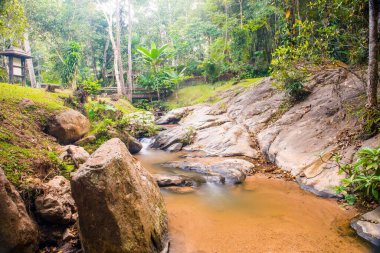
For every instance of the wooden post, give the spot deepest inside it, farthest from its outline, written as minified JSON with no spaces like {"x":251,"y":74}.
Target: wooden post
{"x":23,"y":72}
{"x":10,"y":66}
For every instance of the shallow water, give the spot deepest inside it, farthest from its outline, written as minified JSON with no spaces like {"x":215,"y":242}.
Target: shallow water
{"x":261,"y":215}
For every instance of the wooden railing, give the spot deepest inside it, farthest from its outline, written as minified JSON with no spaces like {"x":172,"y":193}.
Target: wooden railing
{"x":137,"y":93}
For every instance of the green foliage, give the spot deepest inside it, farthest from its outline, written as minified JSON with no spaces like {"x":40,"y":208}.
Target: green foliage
{"x":138,"y":124}
{"x":72,"y":56}
{"x":100,"y":110}
{"x":91,"y":86}
{"x":189,"y":136}
{"x":370,"y":119}
{"x":211,"y":70}
{"x":13,"y":22}
{"x":363,"y":176}
{"x":153,"y":56}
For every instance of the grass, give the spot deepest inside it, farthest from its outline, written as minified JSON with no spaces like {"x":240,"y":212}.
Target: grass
{"x":205,"y":93}
{"x":24,"y":149}
{"x":14,"y":93}
{"x":122,"y":105}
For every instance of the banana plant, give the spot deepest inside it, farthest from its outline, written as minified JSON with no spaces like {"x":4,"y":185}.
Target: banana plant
{"x":176,"y":77}
{"x":153,"y":56}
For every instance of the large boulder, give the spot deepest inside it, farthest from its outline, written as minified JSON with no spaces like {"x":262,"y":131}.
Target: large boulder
{"x":56,"y":205}
{"x":133,"y":145}
{"x":368,"y":226}
{"x":68,"y":126}
{"x":119,"y":204}
{"x":76,"y":154}
{"x":18,"y":232}
{"x":230,"y":171}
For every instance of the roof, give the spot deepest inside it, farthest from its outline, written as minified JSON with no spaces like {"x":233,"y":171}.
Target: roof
{"x":16,"y":52}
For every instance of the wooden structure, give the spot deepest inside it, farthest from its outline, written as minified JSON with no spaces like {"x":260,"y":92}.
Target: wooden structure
{"x":137,"y":93}
{"x":16,"y":63}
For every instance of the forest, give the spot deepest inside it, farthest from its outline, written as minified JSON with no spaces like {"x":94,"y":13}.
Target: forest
{"x":189,"y":126}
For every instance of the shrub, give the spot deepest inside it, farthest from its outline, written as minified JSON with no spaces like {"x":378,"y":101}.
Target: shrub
{"x":363,"y":176}
{"x":101,"y":110}
{"x":91,"y":86}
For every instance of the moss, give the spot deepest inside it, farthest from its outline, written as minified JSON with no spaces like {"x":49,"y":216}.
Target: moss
{"x":205,"y":93}
{"x":49,"y":101}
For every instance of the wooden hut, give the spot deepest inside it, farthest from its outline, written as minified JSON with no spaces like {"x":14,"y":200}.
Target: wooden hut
{"x":16,"y":63}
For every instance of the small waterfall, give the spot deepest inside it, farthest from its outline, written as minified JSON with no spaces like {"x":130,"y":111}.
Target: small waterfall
{"x":146,"y":142}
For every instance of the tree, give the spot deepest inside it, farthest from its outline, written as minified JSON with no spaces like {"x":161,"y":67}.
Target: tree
{"x":72,"y":58}
{"x":373,"y":57}
{"x":115,"y":46}
{"x":153,"y":56}
{"x":130,"y":77}
{"x":176,"y":77}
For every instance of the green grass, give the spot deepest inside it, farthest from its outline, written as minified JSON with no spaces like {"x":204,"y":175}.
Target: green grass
{"x":122,"y":105}
{"x":205,"y":93}
{"x":14,"y":93}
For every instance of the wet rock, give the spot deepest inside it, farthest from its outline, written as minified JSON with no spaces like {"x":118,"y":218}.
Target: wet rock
{"x":85,"y":140}
{"x":180,"y":190}
{"x":368,"y":226}
{"x":304,"y":138}
{"x":77,"y":154}
{"x":175,"y":147}
{"x":166,"y":180}
{"x":231,"y":171}
{"x":68,"y":126}
{"x":174,"y":116}
{"x":134,"y":146}
{"x":169,"y":137}
{"x":119,"y":203}
{"x":18,"y":232}
{"x":56,"y":205}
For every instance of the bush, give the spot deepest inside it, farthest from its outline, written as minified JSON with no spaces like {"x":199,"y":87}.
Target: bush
{"x":101,"y":110}
{"x":91,"y":86}
{"x":363,"y":176}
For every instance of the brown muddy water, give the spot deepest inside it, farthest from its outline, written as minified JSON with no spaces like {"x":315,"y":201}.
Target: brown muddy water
{"x":260,"y":215}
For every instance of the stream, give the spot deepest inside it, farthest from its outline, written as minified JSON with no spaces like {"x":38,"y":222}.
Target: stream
{"x":260,"y":215}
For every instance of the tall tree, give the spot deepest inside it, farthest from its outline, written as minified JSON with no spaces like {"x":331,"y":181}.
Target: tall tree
{"x":130,"y":27}
{"x":29,"y":63}
{"x":373,"y":57}
{"x":118,"y":46}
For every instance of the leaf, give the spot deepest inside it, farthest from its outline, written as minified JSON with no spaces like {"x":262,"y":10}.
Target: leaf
{"x":287,"y":14}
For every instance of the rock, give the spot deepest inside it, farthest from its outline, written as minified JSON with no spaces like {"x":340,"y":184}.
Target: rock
{"x":77,"y":154}
{"x":216,"y":135}
{"x":175,"y":147}
{"x":368,"y":226}
{"x":26,"y":103}
{"x":225,"y":140}
{"x":306,"y":136}
{"x":166,"y":180}
{"x":134,"y":146}
{"x":180,"y":190}
{"x":174,"y":116}
{"x":231,"y":171}
{"x":56,"y":205}
{"x":68,"y":126}
{"x":171,"y":136}
{"x":85,"y":140}
{"x":119,"y":204}
{"x":18,"y":232}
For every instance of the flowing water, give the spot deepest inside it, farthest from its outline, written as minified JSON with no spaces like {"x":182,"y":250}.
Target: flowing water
{"x":260,"y":215}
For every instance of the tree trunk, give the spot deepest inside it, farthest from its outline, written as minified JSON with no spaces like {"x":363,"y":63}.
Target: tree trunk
{"x":118,"y":45}
{"x":130,"y":77}
{"x":241,"y":13}
{"x":115,"y":55}
{"x":29,"y":64}
{"x":105,"y":60}
{"x":373,"y":75}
